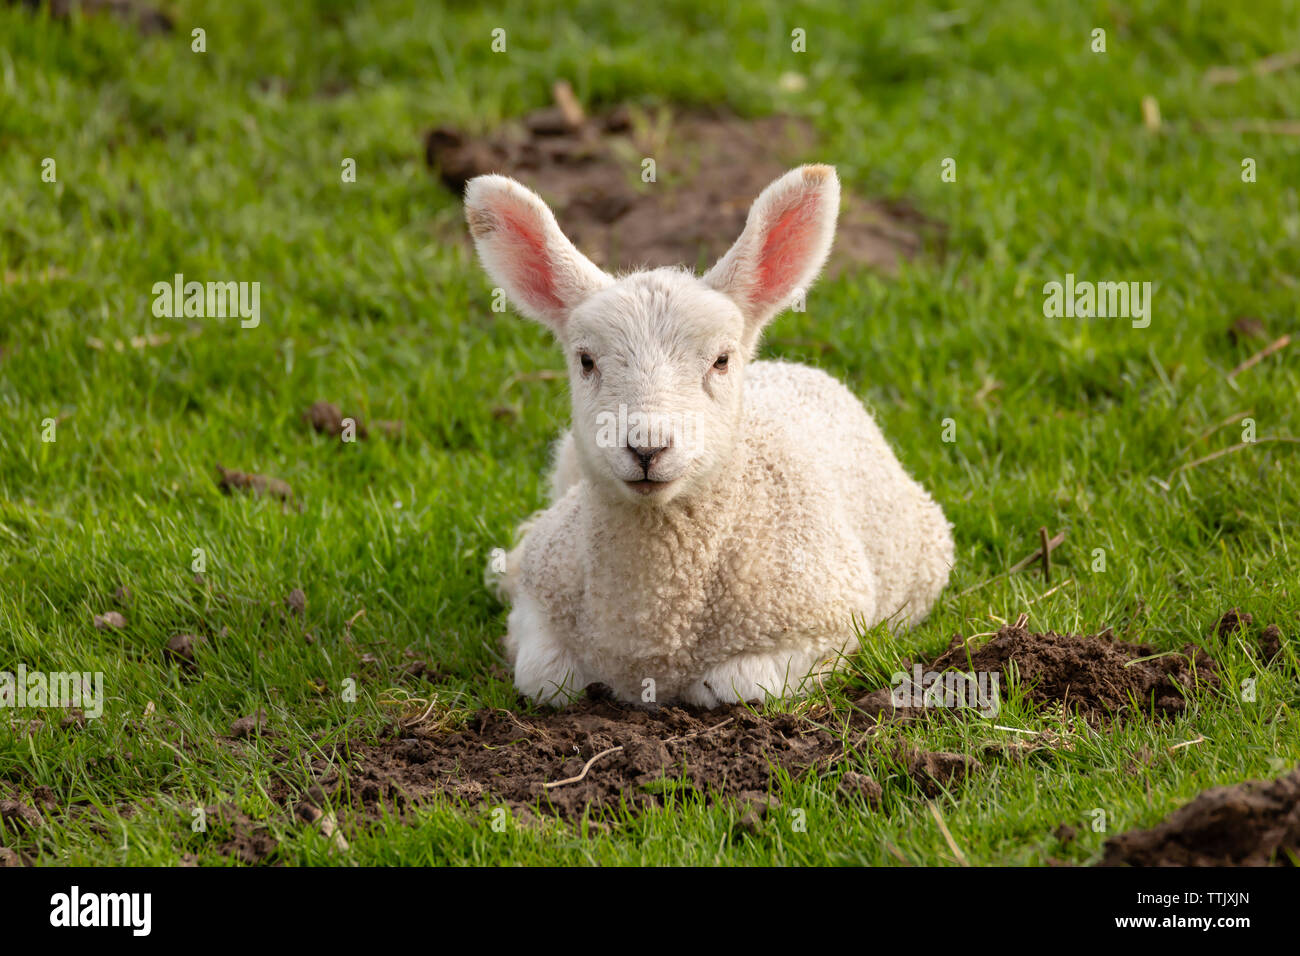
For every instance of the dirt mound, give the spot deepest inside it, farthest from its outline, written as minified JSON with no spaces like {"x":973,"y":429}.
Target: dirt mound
{"x":328,"y":419}
{"x":602,"y":755}
{"x":1270,"y":643}
{"x":1256,"y":823}
{"x":709,"y":166}
{"x":246,"y":839}
{"x":229,"y":480}
{"x":1093,"y":675}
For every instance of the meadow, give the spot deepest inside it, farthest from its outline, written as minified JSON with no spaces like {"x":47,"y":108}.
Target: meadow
{"x":1173,"y":470}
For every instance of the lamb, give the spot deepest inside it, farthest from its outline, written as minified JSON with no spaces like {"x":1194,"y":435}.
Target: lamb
{"x":717,"y":524}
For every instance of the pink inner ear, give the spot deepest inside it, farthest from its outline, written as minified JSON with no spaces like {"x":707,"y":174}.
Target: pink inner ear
{"x":785,"y":250}
{"x":529,"y":262}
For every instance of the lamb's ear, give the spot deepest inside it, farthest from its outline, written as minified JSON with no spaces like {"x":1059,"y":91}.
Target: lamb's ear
{"x":524,"y":252}
{"x":785,"y":243}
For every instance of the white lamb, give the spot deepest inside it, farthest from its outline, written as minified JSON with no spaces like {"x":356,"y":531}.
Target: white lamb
{"x":717,"y":524}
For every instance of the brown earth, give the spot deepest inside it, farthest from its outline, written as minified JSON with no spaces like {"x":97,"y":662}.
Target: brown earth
{"x":1095,"y":675}
{"x":1270,"y":643}
{"x":327,"y":418}
{"x":242,"y":837}
{"x":600,"y":756}
{"x":229,"y":480}
{"x":180,"y":650}
{"x":508,"y":758}
{"x":732,"y":752}
{"x":709,"y":167}
{"x":109,"y":621}
{"x":1256,"y":823}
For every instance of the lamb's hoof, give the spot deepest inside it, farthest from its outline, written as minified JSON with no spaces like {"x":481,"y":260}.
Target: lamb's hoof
{"x":597,"y":691}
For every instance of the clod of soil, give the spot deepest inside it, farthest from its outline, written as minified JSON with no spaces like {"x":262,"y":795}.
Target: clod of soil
{"x":709,"y":168}
{"x":17,"y":815}
{"x":1256,"y":823}
{"x":1245,"y":328}
{"x":180,"y":649}
{"x":935,"y":771}
{"x":1233,"y":620}
{"x":230,"y":481}
{"x":248,"y":840}
{"x":724,"y":754}
{"x":1093,"y":675}
{"x":879,"y":704}
{"x":109,"y":621}
{"x":860,"y":785}
{"x":248,"y":726}
{"x":425,"y":669}
{"x":327,"y":418}
{"x":1270,"y":643}
{"x":249,"y":845}
{"x":755,"y":808}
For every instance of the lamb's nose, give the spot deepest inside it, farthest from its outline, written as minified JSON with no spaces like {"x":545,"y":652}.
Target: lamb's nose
{"x":646,"y":456}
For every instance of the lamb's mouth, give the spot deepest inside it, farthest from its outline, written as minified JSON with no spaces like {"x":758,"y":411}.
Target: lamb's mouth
{"x":648,"y":486}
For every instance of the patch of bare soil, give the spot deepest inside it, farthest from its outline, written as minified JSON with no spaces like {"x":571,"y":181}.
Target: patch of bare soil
{"x":328,"y":419}
{"x":242,"y":837}
{"x":180,"y":650}
{"x":21,"y":815}
{"x":1092,"y":675}
{"x":109,"y":621}
{"x":1270,"y":643}
{"x":600,"y":755}
{"x":709,"y":166}
{"x":229,"y":480}
{"x":1256,"y":823}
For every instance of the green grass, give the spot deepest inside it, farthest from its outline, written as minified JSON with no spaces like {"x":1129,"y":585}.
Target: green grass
{"x":225,"y":165}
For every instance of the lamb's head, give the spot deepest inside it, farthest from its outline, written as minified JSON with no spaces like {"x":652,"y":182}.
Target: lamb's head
{"x":656,"y":358}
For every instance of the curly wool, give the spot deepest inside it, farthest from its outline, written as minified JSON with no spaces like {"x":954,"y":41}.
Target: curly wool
{"x":745,"y":589}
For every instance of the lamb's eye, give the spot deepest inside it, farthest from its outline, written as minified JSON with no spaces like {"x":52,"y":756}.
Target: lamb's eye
{"x":721,"y":363}
{"x":588,"y":366}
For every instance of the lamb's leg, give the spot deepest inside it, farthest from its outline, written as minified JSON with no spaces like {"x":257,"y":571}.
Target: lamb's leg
{"x":545,"y":669}
{"x":754,"y":676}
